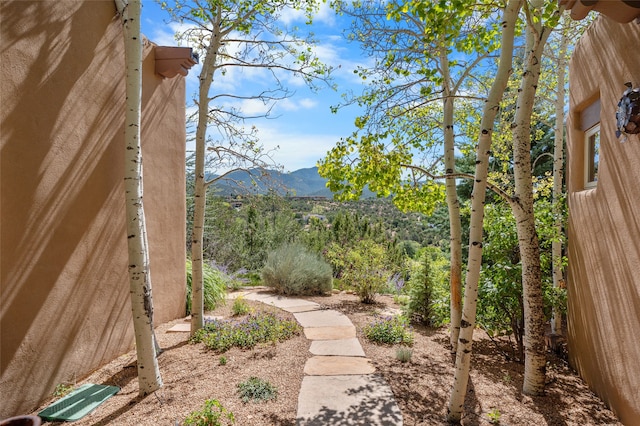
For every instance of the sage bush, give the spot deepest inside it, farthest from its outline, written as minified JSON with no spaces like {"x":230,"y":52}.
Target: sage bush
{"x":294,"y":270}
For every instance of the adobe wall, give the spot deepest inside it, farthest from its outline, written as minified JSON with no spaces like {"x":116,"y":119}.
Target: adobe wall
{"x":64,"y":307}
{"x":604,"y":223}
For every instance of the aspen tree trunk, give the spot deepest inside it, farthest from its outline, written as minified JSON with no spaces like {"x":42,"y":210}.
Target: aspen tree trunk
{"x":149,"y":378}
{"x":534,"y":321}
{"x":558,"y":154}
{"x":453,"y":204}
{"x":200,"y":184}
{"x":491,"y":108}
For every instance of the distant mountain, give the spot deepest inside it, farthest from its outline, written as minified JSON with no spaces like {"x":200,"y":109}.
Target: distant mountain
{"x":301,"y":183}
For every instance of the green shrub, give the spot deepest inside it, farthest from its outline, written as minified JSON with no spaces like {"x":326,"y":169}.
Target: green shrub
{"x":421,"y":293}
{"x":293,"y":270}
{"x":255,"y":389}
{"x":214,"y":287}
{"x":221,"y":335}
{"x":403,"y":354}
{"x":390,"y":330}
{"x":222,"y":360}
{"x":428,"y":288}
{"x":213,"y":414}
{"x":240,"y":306}
{"x":364,"y":268}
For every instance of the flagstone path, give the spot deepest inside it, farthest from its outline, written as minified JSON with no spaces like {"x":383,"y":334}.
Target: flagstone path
{"x":340,"y":386}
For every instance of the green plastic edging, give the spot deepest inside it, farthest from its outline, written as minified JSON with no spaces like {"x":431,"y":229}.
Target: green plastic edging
{"x":78,"y":403}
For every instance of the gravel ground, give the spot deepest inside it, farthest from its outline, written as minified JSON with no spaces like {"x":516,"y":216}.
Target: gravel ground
{"x":192,"y":374}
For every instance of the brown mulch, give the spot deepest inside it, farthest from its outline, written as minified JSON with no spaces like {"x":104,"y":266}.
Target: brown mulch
{"x":192,"y":374}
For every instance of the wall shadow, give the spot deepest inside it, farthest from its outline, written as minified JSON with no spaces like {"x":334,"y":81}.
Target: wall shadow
{"x":65,"y":306}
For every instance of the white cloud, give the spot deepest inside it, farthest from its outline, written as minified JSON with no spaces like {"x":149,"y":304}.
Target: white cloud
{"x":296,"y":150}
{"x":258,"y":108}
{"x":293,"y":104}
{"x":308,"y":103}
{"x":324,"y":15}
{"x":254,"y":107}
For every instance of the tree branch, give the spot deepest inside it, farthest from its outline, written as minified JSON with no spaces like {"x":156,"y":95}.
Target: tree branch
{"x":432,"y":176}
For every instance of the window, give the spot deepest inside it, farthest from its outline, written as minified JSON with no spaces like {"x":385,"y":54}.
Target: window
{"x":590,"y":126}
{"x":592,"y":156}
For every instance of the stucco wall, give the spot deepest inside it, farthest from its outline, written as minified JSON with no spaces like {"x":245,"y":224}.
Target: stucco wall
{"x":604,"y":223}
{"x":64,"y":303}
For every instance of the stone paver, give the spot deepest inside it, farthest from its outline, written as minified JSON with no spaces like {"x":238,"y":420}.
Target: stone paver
{"x":342,"y":347}
{"x":338,"y":365}
{"x":183,"y":327}
{"x":257,"y":296}
{"x":330,"y":333}
{"x":323,"y":318}
{"x":286,"y":302}
{"x":304,"y":308}
{"x":339,"y":387}
{"x":347,"y":400}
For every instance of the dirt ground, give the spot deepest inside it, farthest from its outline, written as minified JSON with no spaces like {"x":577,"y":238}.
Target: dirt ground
{"x":193,"y":374}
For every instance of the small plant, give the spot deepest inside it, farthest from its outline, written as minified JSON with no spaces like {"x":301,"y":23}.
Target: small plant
{"x":240,"y":306}
{"x":213,"y":414}
{"x":233,"y":280}
{"x":214,"y":287}
{"x":401,"y":299}
{"x":256,"y":389}
{"x":62,"y":389}
{"x":390,"y":330}
{"x":222,"y":360}
{"x":494,"y":416}
{"x":507,"y":379}
{"x":396,"y":284}
{"x":403,"y":354}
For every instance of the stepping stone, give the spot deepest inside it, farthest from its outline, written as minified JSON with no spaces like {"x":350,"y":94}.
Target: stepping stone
{"x":323,"y":318}
{"x":338,"y":365}
{"x":330,"y":333}
{"x":347,"y":400}
{"x":257,"y":296}
{"x":303,"y":308}
{"x":183,"y":327}
{"x":285,"y":302}
{"x":342,"y":347}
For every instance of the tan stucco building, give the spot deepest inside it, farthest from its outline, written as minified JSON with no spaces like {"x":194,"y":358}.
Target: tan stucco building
{"x":64,"y":307}
{"x":603,"y":180}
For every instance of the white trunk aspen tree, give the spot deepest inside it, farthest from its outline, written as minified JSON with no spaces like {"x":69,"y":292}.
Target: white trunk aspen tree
{"x":453,"y":204}
{"x":558,"y":160}
{"x":200,"y":186}
{"x":149,"y":378}
{"x":490,"y":110}
{"x":534,"y":322}
{"x":411,"y":74}
{"x":239,"y":33}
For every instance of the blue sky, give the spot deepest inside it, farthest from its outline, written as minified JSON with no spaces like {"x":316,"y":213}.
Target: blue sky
{"x":303,"y":126}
